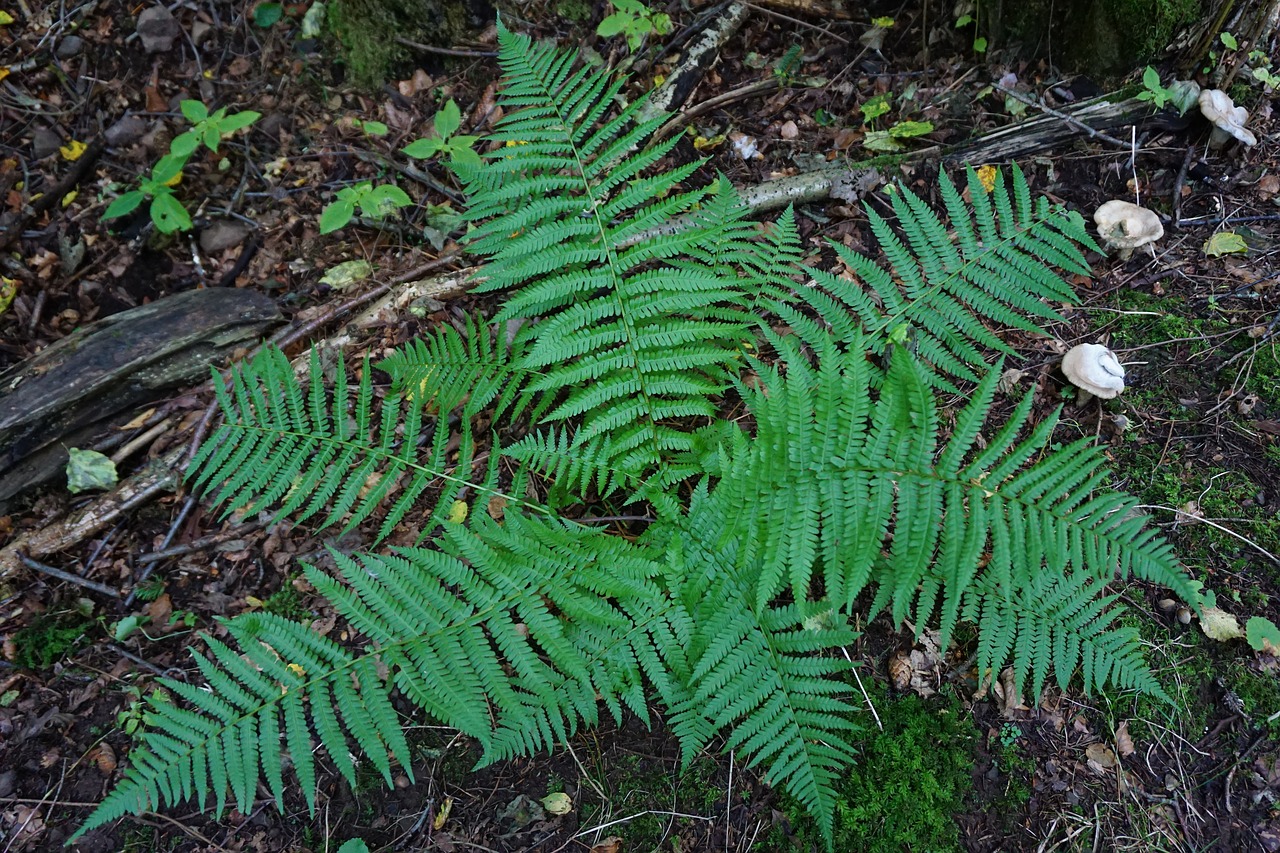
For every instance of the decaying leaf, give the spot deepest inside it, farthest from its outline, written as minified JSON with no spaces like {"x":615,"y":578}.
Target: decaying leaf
{"x":89,"y":469}
{"x":558,"y":803}
{"x":1124,"y":741}
{"x":1220,"y":625}
{"x":1099,"y":757}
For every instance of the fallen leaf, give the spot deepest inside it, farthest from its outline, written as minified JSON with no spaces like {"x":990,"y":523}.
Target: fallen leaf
{"x":347,"y":273}
{"x":1100,"y":757}
{"x":558,"y":803}
{"x":1224,"y":243}
{"x":1220,"y":625}
{"x":612,"y":844}
{"x":89,"y":469}
{"x":5,"y":19}
{"x":72,"y":150}
{"x":103,"y":756}
{"x":1124,"y":741}
{"x":457,"y":513}
{"x":443,"y":815}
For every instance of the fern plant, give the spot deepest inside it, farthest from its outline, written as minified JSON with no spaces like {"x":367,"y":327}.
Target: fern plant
{"x":649,"y":313}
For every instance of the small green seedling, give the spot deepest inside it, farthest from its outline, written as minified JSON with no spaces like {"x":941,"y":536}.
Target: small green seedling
{"x":462,"y":157}
{"x":374,"y":202}
{"x":167,"y":212}
{"x":634,"y":20}
{"x":209,"y":128}
{"x":1152,"y":90}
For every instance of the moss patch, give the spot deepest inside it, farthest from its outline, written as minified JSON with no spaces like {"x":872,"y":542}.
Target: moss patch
{"x":45,"y":641}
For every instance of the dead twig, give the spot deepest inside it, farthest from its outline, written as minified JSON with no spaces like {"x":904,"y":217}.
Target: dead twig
{"x":67,"y":576}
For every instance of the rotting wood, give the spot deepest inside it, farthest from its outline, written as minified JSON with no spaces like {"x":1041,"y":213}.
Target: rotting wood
{"x":69,"y":393}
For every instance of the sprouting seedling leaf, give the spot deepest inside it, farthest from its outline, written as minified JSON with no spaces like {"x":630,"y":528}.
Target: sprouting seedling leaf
{"x":89,"y":469}
{"x":448,"y":119}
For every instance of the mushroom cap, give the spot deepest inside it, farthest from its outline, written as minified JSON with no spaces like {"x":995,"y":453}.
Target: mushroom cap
{"x":1094,"y":368}
{"x":1124,"y":225}
{"x":1217,"y":106}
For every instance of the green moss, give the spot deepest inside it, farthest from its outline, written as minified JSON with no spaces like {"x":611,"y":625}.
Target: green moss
{"x":47,"y":639}
{"x":908,"y":784}
{"x":636,"y":785}
{"x":368,"y":29}
{"x":286,"y":602}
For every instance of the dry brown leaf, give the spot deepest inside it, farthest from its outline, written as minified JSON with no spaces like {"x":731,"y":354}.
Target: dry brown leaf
{"x":612,"y":844}
{"x":1124,"y":741}
{"x":1100,"y":757}
{"x":1010,"y":697}
{"x":160,"y":610}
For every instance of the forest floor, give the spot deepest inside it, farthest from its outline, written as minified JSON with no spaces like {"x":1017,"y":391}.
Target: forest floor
{"x":1196,"y":437}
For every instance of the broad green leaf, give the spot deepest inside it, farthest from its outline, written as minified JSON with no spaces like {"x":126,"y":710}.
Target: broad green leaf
{"x":167,"y":168}
{"x":1263,"y":635}
{"x":908,"y":129}
{"x":880,"y":140}
{"x":875,"y":107}
{"x":336,"y":215}
{"x":448,"y":119}
{"x":168,"y":214}
{"x":1228,"y":41}
{"x":613,"y":24}
{"x":424,"y":149}
{"x":1151,"y":79}
{"x":194,"y":110}
{"x":374,"y":128}
{"x":347,"y":273}
{"x":238,"y":121}
{"x":184,"y":144}
{"x":125,"y":204}
{"x":384,"y":201}
{"x":266,"y":15}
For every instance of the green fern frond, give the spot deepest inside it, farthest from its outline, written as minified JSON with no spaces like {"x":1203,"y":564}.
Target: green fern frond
{"x":765,"y":675}
{"x":628,"y":340}
{"x":289,"y":442}
{"x":949,"y":281}
{"x":286,"y":681}
{"x":853,"y":488}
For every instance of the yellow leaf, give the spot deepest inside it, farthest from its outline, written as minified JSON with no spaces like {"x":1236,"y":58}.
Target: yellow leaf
{"x":702,"y":143}
{"x":5,"y":19}
{"x":174,"y":181}
{"x":457,"y":512}
{"x":253,"y":602}
{"x":658,"y":80}
{"x":296,"y":669}
{"x":69,"y":197}
{"x":4,"y":72}
{"x":8,"y":290}
{"x":443,"y":814}
{"x":72,"y":150}
{"x":987,"y":174}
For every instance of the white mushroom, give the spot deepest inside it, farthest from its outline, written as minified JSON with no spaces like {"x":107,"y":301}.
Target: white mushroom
{"x":1126,"y":226}
{"x":1228,"y":119}
{"x":1095,"y":370}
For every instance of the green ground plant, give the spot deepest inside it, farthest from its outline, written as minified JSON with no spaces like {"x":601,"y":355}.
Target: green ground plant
{"x":642,"y":311}
{"x":208,"y":129}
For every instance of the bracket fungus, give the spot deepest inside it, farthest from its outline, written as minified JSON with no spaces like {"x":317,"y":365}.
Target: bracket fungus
{"x":1126,"y":226}
{"x":1095,"y":370}
{"x":1228,"y":120}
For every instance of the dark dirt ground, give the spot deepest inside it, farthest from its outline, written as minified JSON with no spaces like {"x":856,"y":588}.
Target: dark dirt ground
{"x":1195,"y":436}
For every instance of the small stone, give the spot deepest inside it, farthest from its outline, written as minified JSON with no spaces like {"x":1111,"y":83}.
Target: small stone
{"x":44,"y":142}
{"x":126,"y":131}
{"x":788,"y":130}
{"x":8,"y":781}
{"x":200,"y":31}
{"x":223,"y":234}
{"x":69,"y":47}
{"x":158,"y":29}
